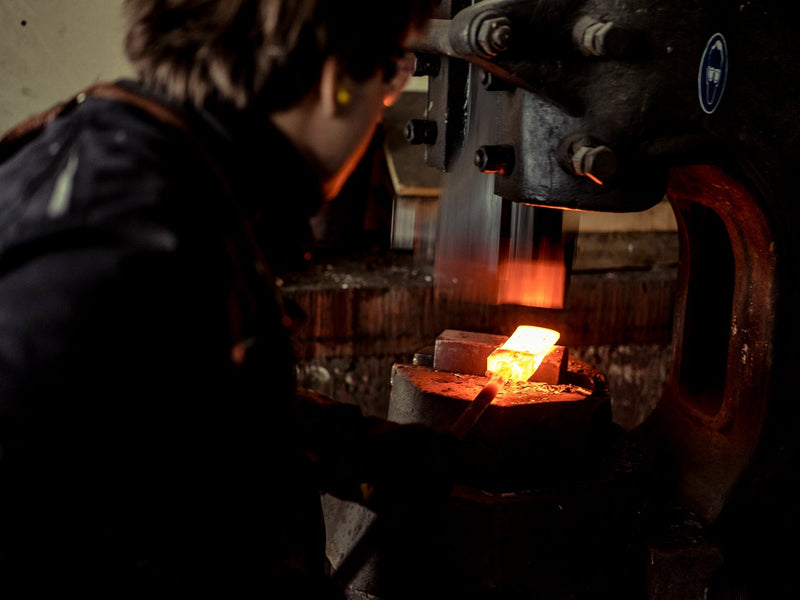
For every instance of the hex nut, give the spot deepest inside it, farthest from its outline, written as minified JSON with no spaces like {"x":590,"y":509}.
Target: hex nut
{"x":599,"y":38}
{"x":494,"y":35}
{"x":596,"y":162}
{"x":421,"y":131}
{"x":495,"y":159}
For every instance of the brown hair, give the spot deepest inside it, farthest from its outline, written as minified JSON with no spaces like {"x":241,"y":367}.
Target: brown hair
{"x":265,"y":53}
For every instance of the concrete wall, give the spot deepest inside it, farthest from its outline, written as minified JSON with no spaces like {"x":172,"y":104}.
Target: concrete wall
{"x":49,"y":49}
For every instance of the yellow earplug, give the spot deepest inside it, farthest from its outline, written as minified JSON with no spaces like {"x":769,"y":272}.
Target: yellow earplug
{"x":343,"y":96}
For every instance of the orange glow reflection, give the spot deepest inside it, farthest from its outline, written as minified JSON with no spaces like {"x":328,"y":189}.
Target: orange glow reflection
{"x":519,"y":357}
{"x":532,"y":283}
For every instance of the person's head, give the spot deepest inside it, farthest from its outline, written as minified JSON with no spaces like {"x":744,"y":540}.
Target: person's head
{"x":289,"y":59}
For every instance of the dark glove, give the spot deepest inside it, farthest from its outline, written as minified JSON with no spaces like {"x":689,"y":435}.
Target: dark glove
{"x":373,"y":461}
{"x":408,"y":466}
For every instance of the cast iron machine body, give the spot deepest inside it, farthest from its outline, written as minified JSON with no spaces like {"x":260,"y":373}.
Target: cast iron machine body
{"x":608,"y":105}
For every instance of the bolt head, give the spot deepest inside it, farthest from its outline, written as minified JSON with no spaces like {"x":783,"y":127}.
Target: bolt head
{"x":599,"y":38}
{"x":420,"y":131}
{"x":481,"y":158}
{"x":427,"y":65}
{"x":494,"y":159}
{"x":599,"y":163}
{"x":494,"y":35}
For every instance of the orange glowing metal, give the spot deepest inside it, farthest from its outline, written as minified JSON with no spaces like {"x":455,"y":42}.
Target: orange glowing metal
{"x":516,"y":360}
{"x":519,"y":357}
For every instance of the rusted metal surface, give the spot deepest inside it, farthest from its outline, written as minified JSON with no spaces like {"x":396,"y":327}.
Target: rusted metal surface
{"x":711,"y":417}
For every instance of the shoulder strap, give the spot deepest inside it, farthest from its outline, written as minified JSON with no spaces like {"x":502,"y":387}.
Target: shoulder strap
{"x":22,"y":133}
{"x":156,"y":109}
{"x":19,"y":135}
{"x":16,"y":137}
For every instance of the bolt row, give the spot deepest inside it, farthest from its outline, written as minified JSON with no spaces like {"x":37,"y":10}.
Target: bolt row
{"x":586,"y":158}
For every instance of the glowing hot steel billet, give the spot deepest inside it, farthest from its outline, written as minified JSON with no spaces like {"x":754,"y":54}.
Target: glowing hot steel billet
{"x":517,"y":359}
{"x":522,"y":353}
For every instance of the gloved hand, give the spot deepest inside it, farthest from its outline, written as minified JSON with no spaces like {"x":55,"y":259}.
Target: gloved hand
{"x":406,"y":466}
{"x":373,"y":461}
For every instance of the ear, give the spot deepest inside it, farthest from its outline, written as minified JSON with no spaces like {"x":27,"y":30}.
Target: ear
{"x":335,"y":92}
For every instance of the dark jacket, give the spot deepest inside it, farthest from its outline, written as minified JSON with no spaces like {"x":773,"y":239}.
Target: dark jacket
{"x":148,"y":434}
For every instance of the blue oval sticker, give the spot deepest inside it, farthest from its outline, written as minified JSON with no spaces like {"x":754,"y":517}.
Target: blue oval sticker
{"x":713,"y":73}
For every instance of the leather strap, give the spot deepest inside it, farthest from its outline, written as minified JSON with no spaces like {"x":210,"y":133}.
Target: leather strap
{"x":157,"y":110}
{"x":19,"y":135}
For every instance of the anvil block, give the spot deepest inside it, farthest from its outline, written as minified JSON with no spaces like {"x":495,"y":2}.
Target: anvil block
{"x":531,"y":427}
